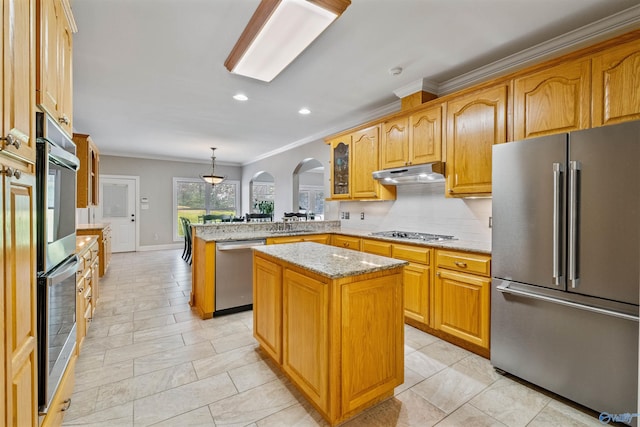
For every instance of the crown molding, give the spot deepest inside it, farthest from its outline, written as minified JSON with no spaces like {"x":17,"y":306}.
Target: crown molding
{"x":417,"y":86}
{"x":611,"y":26}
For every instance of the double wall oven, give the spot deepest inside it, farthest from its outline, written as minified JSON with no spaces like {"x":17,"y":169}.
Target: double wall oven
{"x":56,"y":166}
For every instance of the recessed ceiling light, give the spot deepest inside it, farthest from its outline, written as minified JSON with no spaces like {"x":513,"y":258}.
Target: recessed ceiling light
{"x":304,"y":111}
{"x":240,"y":97}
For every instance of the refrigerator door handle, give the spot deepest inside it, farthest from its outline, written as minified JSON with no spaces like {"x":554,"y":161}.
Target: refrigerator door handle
{"x":507,"y":290}
{"x":557,"y":193}
{"x":574,"y":167}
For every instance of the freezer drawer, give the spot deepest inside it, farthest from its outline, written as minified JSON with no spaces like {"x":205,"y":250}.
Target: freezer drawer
{"x":585,"y":356}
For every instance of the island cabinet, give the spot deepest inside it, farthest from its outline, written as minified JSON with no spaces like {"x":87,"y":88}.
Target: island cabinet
{"x":475,"y":123}
{"x":462,"y":294}
{"x":616,"y":84}
{"x":332,"y":320}
{"x":413,"y":139}
{"x":555,"y":99}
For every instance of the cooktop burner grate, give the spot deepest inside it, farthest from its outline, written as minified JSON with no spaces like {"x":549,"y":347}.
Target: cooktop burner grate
{"x":410,"y":235}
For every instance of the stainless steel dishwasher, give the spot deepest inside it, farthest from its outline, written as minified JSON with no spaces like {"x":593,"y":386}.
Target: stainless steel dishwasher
{"x":234,"y":276}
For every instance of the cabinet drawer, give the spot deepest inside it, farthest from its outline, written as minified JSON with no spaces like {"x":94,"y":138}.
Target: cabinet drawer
{"x":376,"y":247}
{"x":346,"y":242}
{"x":62,"y":398}
{"x":412,"y":253}
{"x":462,"y":261}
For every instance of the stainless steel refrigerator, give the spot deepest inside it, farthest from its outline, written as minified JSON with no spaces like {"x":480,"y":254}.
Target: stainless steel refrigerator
{"x":566,"y":250}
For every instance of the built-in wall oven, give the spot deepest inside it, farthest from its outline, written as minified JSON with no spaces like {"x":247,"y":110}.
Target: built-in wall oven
{"x":56,"y":166}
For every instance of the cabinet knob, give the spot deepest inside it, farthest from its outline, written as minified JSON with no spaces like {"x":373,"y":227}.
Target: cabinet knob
{"x":451,"y":191}
{"x":12,"y":140}
{"x":80,"y":290}
{"x":67,"y":404}
{"x":438,"y":274}
{"x":64,"y":119}
{"x":11,"y":172}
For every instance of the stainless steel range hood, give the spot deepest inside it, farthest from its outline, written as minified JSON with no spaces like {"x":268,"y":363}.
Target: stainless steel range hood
{"x":424,"y":174}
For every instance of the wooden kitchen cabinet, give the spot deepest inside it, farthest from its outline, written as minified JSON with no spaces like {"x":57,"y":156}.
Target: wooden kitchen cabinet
{"x":462,"y":294}
{"x":103,"y":231}
{"x":267,"y":307}
{"x":417,"y":282}
{"x":347,"y":242}
{"x":61,"y":400}
{"x":56,"y":26}
{"x":318,"y":238}
{"x":88,"y":186}
{"x":87,"y":285}
{"x":615,"y":86}
{"x":555,"y":99}
{"x":354,"y":159}
{"x":414,"y":139}
{"x":475,"y":123}
{"x":376,"y":247}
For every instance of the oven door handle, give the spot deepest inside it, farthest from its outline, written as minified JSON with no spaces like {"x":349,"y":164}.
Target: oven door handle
{"x":69,"y":268}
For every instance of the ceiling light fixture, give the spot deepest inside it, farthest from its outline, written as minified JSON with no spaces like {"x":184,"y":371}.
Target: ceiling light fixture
{"x":304,"y":111}
{"x":213,"y":179}
{"x":240,"y":97}
{"x":278,"y":32}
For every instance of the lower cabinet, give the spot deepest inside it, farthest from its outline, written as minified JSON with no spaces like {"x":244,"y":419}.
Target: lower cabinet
{"x":462,"y":296}
{"x":267,"y":306}
{"x":347,"y":242}
{"x":103,"y":231}
{"x":62,"y":399}
{"x":87,"y":285}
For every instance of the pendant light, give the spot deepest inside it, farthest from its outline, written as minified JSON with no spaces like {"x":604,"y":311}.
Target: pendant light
{"x":213,"y":179}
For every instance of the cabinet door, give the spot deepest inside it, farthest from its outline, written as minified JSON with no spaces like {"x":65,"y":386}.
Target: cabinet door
{"x":65,"y":46}
{"x":462,"y":306}
{"x":20,"y":300}
{"x":417,"y":289}
{"x":18,"y":93}
{"x":475,"y":122}
{"x":365,"y":161}
{"x":267,"y":307}
{"x":395,"y":143}
{"x":50,"y":14}
{"x":81,"y":325}
{"x":553,"y":100}
{"x":616,"y":73}
{"x":341,"y":167}
{"x":425,"y":136}
{"x":305,"y":334}
{"x":376,"y":247}
{"x":346,"y":242}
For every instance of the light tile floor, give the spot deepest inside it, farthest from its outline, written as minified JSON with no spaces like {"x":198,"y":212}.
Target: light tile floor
{"x":149,"y":361}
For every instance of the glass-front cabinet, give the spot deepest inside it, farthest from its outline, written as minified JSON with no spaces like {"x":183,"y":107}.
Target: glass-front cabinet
{"x":341,"y":167}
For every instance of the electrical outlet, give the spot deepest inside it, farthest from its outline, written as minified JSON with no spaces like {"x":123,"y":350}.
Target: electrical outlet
{"x":346,"y":215}
{"x":361,"y":215}
{"x":490,"y":222}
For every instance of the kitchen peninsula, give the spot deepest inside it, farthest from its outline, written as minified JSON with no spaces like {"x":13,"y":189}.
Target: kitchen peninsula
{"x":332,"y":319}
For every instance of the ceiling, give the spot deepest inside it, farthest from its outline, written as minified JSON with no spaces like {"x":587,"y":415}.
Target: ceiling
{"x":149,"y":79}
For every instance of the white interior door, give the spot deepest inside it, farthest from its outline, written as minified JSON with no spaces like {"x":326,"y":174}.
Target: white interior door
{"x":118,"y":207}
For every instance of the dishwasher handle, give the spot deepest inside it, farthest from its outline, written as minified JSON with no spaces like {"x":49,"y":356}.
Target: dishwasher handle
{"x":236,"y":246}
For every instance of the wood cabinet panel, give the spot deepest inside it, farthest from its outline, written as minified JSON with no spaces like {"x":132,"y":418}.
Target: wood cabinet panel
{"x":616,"y":84}
{"x":462,"y":306}
{"x":475,"y":122}
{"x":346,"y":242}
{"x":425,"y":136}
{"x":62,"y":399}
{"x":556,"y":99}
{"x":465,"y":262}
{"x":417,"y":254}
{"x":365,"y":145}
{"x":395,"y":143}
{"x":417,"y":292}
{"x":267,"y":306}
{"x":376,"y":247}
{"x":341,"y":165}
{"x":318,"y":238}
{"x":88,"y":186}
{"x":305,"y":331}
{"x":366,"y":374}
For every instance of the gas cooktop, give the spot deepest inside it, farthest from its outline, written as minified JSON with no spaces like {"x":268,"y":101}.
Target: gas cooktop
{"x":410,"y":235}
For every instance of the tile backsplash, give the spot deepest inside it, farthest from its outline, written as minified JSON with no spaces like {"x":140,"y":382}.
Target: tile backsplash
{"x":422,"y":208}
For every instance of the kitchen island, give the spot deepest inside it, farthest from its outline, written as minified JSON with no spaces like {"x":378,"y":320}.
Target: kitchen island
{"x":332,"y":319}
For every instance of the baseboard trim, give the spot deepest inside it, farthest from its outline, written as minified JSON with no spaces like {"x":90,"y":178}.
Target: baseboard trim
{"x":160,"y":247}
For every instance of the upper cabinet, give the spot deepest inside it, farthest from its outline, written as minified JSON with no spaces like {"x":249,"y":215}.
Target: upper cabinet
{"x":354,"y":158}
{"x":88,"y":190}
{"x":54,"y":73}
{"x":412,"y":139}
{"x":475,"y":122}
{"x":555,"y":99}
{"x":18,"y":83}
{"x":616,"y":84}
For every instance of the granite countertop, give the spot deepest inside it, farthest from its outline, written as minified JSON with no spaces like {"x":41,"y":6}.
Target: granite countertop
{"x":83,"y":242}
{"x":329,"y":261}
{"x":95,"y":226}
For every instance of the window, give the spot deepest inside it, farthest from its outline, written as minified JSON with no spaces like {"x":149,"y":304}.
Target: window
{"x":193,"y":197}
{"x":311,"y":200}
